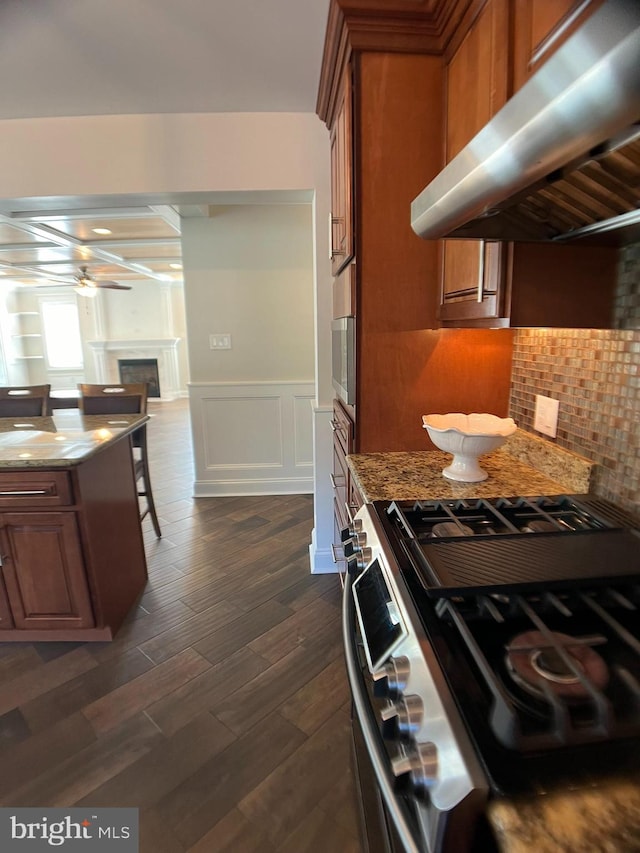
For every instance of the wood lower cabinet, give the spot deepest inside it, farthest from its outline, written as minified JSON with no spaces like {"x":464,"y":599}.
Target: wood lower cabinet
{"x":71,"y":548}
{"x":343,"y":489}
{"x":6,"y":619}
{"x":43,"y":569}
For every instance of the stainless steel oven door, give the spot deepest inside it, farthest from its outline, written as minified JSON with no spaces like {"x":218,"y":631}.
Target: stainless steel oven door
{"x":378,"y":832}
{"x":397,"y":817}
{"x":426,"y":769}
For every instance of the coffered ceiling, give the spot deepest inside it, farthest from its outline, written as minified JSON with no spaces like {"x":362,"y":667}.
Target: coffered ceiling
{"x":46,"y":248}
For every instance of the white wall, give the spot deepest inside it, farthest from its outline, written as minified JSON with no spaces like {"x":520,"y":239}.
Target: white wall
{"x":178,"y":153}
{"x":249,"y":272}
{"x":87,"y":155}
{"x":136,"y":313}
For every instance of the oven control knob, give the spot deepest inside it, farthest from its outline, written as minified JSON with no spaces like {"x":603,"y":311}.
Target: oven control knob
{"x":364,"y":558}
{"x":420,"y":761}
{"x":396,"y":671}
{"x":360,"y":540}
{"x":407,"y":713}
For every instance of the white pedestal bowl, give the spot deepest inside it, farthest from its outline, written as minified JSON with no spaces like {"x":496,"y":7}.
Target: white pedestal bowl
{"x":467,"y":437}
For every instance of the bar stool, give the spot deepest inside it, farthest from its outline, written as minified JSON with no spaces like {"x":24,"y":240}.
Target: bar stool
{"x":30,"y":401}
{"x":123,"y":400}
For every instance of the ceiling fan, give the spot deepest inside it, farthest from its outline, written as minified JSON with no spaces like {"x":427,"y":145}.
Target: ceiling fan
{"x":87,"y":285}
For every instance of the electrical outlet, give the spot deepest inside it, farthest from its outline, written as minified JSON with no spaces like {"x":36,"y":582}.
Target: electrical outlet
{"x":545,"y":417}
{"x":221,"y":341}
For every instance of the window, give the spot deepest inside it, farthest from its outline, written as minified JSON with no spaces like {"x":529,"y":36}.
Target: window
{"x":63,"y":344}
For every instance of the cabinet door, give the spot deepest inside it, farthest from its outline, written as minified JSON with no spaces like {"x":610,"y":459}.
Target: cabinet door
{"x":540,"y":28}
{"x":44,"y":572}
{"x":342,"y":180}
{"x":6,"y":620}
{"x":477,"y":87}
{"x":473,"y":281}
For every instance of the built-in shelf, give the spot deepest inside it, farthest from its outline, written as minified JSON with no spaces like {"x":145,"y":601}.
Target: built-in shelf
{"x":30,"y":335}
{"x":25,"y":357}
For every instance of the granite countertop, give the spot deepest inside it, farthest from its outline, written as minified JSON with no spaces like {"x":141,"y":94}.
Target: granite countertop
{"x":524,"y":465}
{"x":590,"y":820}
{"x":61,"y":441}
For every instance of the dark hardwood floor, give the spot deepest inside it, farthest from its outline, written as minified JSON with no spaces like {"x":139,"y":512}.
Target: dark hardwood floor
{"x":221,"y":708}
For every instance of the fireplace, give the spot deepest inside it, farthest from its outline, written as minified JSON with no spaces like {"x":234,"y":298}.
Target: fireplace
{"x":162,"y":353}
{"x":134,"y":370}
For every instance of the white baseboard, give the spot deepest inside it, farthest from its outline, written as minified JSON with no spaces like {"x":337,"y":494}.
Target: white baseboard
{"x":239,"y":488}
{"x":321,"y":559}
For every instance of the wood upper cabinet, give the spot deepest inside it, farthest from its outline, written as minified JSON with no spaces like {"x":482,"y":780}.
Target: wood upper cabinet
{"x":44,"y":572}
{"x":341,"y":136}
{"x":477,"y":86}
{"x":393,"y":51}
{"x":540,"y":28}
{"x":502,"y":284}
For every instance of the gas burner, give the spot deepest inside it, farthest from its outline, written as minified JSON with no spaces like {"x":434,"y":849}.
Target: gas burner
{"x":538,"y":663}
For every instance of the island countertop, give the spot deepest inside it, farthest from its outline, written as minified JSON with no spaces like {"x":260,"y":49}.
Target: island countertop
{"x":62,"y":441}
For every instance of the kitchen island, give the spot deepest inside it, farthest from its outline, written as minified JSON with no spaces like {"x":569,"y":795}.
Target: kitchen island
{"x":72,"y":553}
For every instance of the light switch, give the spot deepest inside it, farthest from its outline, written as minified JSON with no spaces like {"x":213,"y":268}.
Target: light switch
{"x":220,"y":341}
{"x":545,"y":417}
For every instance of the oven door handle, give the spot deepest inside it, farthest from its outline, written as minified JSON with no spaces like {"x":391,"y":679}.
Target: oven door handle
{"x":379,"y":759}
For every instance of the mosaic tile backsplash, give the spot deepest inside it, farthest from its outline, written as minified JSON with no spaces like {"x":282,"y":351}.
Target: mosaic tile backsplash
{"x":595,"y":375}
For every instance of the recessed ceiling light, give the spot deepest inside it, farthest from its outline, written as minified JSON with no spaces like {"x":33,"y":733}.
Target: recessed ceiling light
{"x":176,"y":266}
{"x":101,"y":230}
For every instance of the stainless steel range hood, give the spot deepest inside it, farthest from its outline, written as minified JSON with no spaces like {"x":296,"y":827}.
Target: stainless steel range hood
{"x":561,"y":160}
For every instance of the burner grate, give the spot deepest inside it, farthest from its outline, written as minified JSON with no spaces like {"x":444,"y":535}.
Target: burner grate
{"x":594,"y":696}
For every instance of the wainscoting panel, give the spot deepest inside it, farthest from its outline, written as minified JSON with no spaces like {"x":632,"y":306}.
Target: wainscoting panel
{"x":252,"y":438}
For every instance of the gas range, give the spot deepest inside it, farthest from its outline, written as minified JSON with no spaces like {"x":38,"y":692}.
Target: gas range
{"x":502,"y":643}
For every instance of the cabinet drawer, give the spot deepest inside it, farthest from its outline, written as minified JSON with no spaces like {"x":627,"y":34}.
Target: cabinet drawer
{"x":340,"y":477}
{"x":342,"y":426}
{"x":35,"y":488}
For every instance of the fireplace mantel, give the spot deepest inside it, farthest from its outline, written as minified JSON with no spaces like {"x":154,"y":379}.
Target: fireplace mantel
{"x":165,"y":350}
{"x":151,"y":343}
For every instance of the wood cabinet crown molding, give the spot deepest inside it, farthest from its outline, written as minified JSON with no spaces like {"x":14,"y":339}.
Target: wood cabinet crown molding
{"x":404,"y":26}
